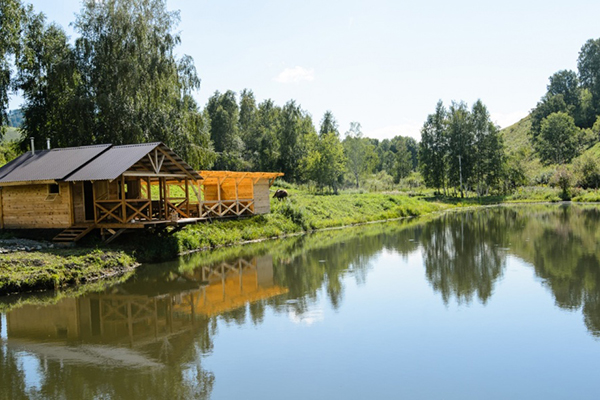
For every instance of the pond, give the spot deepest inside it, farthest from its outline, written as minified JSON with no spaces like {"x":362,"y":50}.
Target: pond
{"x":500,"y":302}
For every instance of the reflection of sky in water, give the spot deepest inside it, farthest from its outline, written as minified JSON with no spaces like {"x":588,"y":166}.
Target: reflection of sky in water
{"x":413,"y":314}
{"x":31,"y":369}
{"x":3,"y":327}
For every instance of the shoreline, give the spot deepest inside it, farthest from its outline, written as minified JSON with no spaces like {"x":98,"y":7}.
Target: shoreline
{"x":51,"y":268}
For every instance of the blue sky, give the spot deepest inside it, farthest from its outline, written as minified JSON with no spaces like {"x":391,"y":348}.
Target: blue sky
{"x":384,"y":64}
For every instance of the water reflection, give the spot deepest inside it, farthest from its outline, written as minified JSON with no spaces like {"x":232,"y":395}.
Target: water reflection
{"x":160,"y":328}
{"x":160,"y":325}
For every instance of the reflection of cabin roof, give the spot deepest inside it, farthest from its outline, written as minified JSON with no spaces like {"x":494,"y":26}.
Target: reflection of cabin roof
{"x":86,"y":163}
{"x":87,"y":354}
{"x":232,"y":293}
{"x":214,"y":177}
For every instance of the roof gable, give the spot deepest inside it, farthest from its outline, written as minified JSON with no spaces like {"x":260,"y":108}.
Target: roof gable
{"x":119,"y":159}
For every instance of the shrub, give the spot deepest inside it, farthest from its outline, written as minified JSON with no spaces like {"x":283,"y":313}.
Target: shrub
{"x":563,"y":179}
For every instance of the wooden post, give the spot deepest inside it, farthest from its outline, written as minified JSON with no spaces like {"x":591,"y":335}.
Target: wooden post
{"x":187,"y":197}
{"x":219,"y":195}
{"x":123,"y":206}
{"x":93,"y":200}
{"x":237,"y":198}
{"x":149,"y":192}
{"x":1,"y":211}
{"x":161,"y":207}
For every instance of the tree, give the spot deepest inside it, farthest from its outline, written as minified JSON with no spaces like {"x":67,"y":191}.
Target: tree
{"x":558,"y":139}
{"x":296,"y":131}
{"x":139,"y":90}
{"x":360,"y":153}
{"x":402,"y":161}
{"x":120,"y":83}
{"x":248,"y":128}
{"x":565,"y":83}
{"x":12,"y":16}
{"x":433,"y":149}
{"x":268,"y":127}
{"x":488,"y":149}
{"x":224,"y":130}
{"x":326,"y":161}
{"x":460,"y":146}
{"x":588,"y":65}
{"x":328,"y":124}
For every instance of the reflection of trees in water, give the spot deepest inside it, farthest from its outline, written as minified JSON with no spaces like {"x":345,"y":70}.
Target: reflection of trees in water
{"x":326,"y":267}
{"x":464,"y":257}
{"x":564,"y":248}
{"x":463,"y":253}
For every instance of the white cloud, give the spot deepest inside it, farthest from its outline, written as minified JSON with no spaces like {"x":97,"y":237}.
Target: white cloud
{"x":295,"y":75}
{"x":306,"y":318}
{"x":504,"y":120}
{"x":411,"y":128}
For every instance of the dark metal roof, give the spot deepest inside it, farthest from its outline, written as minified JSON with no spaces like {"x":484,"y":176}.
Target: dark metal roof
{"x":113,"y":162}
{"x":55,"y":164}
{"x":87,"y":163}
{"x":118,"y":159}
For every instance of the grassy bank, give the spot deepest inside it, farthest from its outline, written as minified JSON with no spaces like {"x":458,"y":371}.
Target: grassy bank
{"x":304,"y":212}
{"x":28,"y":271}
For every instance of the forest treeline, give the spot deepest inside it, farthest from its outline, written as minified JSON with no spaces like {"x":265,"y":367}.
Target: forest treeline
{"x":120,"y":81}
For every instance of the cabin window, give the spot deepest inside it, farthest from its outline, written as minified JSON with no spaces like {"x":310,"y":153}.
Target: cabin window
{"x":53,"y":189}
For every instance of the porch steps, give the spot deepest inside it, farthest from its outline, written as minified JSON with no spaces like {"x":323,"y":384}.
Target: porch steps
{"x":73,"y":234}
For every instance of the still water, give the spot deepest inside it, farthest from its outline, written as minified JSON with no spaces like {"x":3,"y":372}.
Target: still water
{"x":496,"y":303}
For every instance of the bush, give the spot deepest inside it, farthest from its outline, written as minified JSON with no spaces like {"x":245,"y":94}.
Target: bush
{"x":588,"y":172}
{"x":297,"y":214}
{"x":563,"y":179}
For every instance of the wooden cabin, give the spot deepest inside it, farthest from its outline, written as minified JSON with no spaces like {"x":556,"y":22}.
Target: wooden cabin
{"x":115,"y":188}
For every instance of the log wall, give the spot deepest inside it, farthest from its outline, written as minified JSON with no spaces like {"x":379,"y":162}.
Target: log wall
{"x":31,"y":206}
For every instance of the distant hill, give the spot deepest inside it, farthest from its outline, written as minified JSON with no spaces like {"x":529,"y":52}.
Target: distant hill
{"x":15,"y":118}
{"x":516,"y":136}
{"x":10,"y":135}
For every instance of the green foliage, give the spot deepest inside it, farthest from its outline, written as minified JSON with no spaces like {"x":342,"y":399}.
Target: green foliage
{"x":587,"y":169}
{"x":558,"y":139}
{"x":12,"y":16}
{"x":463,"y":149}
{"x":119,"y":83}
{"x":588,"y":65}
{"x":433,"y":149}
{"x":360,"y":153}
{"x":563,"y":179}
{"x":223,"y":111}
{"x":8,"y":151}
{"x":328,"y":124}
{"x":325,"y":163}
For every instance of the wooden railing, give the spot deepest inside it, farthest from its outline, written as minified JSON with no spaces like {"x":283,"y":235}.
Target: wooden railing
{"x":123,"y":211}
{"x":222,"y":208}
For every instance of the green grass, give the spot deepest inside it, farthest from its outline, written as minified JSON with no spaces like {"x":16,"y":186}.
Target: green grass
{"x":304,"y":212}
{"x":27,"y":271}
{"x":516,"y":136}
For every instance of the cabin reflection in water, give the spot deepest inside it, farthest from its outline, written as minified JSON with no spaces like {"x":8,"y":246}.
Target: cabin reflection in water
{"x":124,"y":315}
